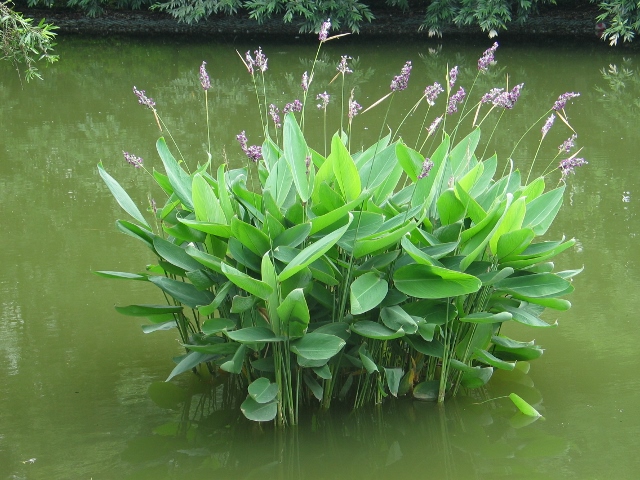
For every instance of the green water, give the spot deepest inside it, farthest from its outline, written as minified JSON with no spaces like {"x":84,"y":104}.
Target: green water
{"x":74,"y":374}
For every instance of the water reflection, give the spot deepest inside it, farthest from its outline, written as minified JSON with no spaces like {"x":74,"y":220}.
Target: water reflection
{"x":471,"y":437}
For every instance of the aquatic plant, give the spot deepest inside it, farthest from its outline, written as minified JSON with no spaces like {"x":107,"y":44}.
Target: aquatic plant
{"x":355,"y":275}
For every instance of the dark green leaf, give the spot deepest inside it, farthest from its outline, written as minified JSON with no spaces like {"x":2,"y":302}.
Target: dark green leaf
{"x":367,"y":291}
{"x":183,"y":292}
{"x":317,"y":346}
{"x":259,"y":412}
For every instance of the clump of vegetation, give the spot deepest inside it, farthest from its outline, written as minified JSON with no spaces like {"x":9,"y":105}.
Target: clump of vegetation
{"x":355,"y":275}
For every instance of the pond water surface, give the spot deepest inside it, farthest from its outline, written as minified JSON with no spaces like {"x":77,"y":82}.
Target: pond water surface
{"x":75,"y":376}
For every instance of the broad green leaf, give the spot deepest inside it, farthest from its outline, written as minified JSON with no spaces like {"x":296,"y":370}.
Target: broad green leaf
{"x":317,"y":346}
{"x":294,"y":236}
{"x":534,"y":189}
{"x":217,"y":229}
{"x":203,"y":258}
{"x":294,"y":314}
{"x":367,"y":360}
{"x":473,"y":208}
{"x":314,"y":251}
{"x":262,"y":390}
{"x":223,"y":193}
{"x":253,"y":286}
{"x":280,"y":182}
{"x":376,"y":331}
{"x":488,"y":359}
{"x":189,"y":361}
{"x":502,"y":341}
{"x":461,"y":156}
{"x":523,"y":406}
{"x":175,"y":254}
{"x":429,"y":188}
{"x":527,"y":259}
{"x":486,"y":317}
{"x":377,"y":170}
{"x":417,"y":254}
{"x":525,"y":317}
{"x":180,"y":180}
{"x":253,"y":335}
{"x":147,"y":310}
{"x":367,"y":292}
{"x":328,"y":219}
{"x":424,"y":281}
{"x":122,"y":275}
{"x":156,"y":327}
{"x":135,"y":231}
{"x":295,"y":153}
{"x":314,"y":386}
{"x":222,"y":348}
{"x":121,"y":196}
{"x":205,"y":203}
{"x":183,"y":292}
{"x":450,"y":210}
{"x":345,"y":170}
{"x":543,"y":210}
{"x":240,"y":304}
{"x":427,"y":391}
{"x":382,"y":240}
{"x":514,"y":242}
{"x":259,"y":412}
{"x":536,"y":285}
{"x":235,"y":364}
{"x":512,"y":220}
{"x":393,"y":377}
{"x":410,"y":160}
{"x":396,"y":318}
{"x":212,"y":326}
{"x":493,"y":276}
{"x":251,"y":237}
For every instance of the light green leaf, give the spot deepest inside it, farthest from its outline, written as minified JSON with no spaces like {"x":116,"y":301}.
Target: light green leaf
{"x":486,"y":317}
{"x":295,"y":153}
{"x":259,"y":412}
{"x":183,"y":292}
{"x":294,"y":314}
{"x":393,"y":377}
{"x":253,"y":286}
{"x":317,"y":346}
{"x":367,"y":292}
{"x":180,"y":180}
{"x":536,"y":285}
{"x":345,"y":170}
{"x":543,"y":210}
{"x":523,"y":406}
{"x":376,"y":331}
{"x":205,"y":203}
{"x":251,"y":237}
{"x":121,"y":196}
{"x":511,"y":221}
{"x":489,"y":359}
{"x":253,"y":335}
{"x":235,"y":364}
{"x":175,"y":254}
{"x":424,"y":281}
{"x":262,"y":390}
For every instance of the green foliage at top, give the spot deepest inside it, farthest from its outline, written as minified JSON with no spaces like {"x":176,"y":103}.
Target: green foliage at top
{"x":621,"y":19}
{"x":24,"y":44}
{"x":313,"y":277}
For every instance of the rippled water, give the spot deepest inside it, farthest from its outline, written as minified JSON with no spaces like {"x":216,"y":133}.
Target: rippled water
{"x":74,"y":375}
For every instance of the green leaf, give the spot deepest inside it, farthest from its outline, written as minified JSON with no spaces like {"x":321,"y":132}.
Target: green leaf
{"x":523,"y":406}
{"x":205,"y":203}
{"x":345,"y":170}
{"x":317,"y":346}
{"x":203,"y":258}
{"x":514,"y":242}
{"x":222,"y":348}
{"x":486,"y":317}
{"x":424,"y":281}
{"x":296,"y":152}
{"x":259,"y":412}
{"x":382,"y":240}
{"x":294,"y":236}
{"x":461,"y":156}
{"x":512,"y":220}
{"x":253,"y":335}
{"x":294,"y":314}
{"x":180,"y":180}
{"x":159,"y":327}
{"x":328,"y":219}
{"x":212,"y":326}
{"x":135,"y":231}
{"x":489,"y":359}
{"x":376,"y":331}
{"x":367,"y":292}
{"x":251,"y":237}
{"x":253,"y":286}
{"x":536,"y":285}
{"x":393,"y":377}
{"x":235,"y":364}
{"x":427,"y":391}
{"x":314,"y":251}
{"x":314,"y":386}
{"x":523,"y":316}
{"x":262,"y":390}
{"x":367,"y":360}
{"x":183,"y":292}
{"x":189,"y":361}
{"x":450,"y":210}
{"x":279,"y":182}
{"x":410,"y":160}
{"x":121,"y":196}
{"x":122,"y":275}
{"x":543,"y":210}
{"x":175,"y":254}
{"x":396,"y":318}
{"x":147,"y":310}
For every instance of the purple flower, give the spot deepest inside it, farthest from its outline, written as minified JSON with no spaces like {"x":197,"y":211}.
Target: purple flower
{"x":324,"y":30}
{"x":354,"y":108}
{"x":487,"y":58}
{"x":491,"y":95}
{"x":455,"y":99}
{"x":401,"y":81}
{"x":307,"y":162}
{"x":204,"y":77}
{"x":569,"y":164}
{"x":427,"y":165}
{"x":324,"y":100}
{"x":254,"y":152}
{"x":154,"y":207}
{"x":305,"y":81}
{"x":434,"y":126}
{"x":432,"y":92}
{"x":143,"y":99}
{"x":568,"y":144}
{"x":275,"y":115}
{"x":342,"y":66}
{"x":132,"y":159}
{"x":261,"y":60}
{"x":453,"y":76}
{"x":249,"y":62}
{"x":295,"y":106}
{"x":508,"y":99}
{"x":562,"y":100}
{"x":548,"y":124}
